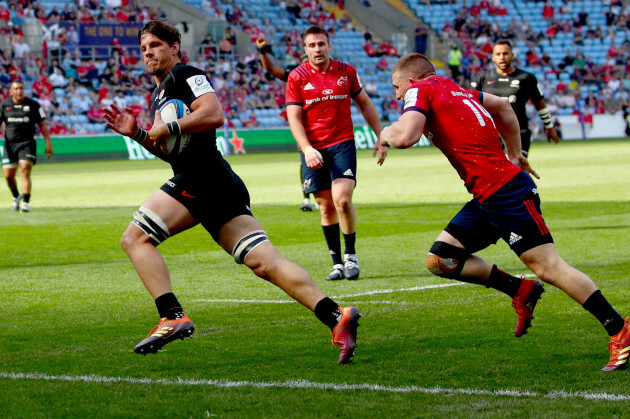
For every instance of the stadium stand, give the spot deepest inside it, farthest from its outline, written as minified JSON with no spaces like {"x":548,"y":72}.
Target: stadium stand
{"x":579,"y":50}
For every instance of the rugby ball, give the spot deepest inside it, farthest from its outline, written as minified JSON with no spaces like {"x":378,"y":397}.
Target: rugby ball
{"x":171,"y":111}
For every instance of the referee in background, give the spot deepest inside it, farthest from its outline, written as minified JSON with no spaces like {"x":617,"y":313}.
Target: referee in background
{"x":20,"y":114}
{"x":517,"y":86}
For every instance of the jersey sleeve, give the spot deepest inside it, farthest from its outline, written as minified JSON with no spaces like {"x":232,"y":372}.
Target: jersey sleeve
{"x":293,"y":95}
{"x":191,"y":83}
{"x":355,"y":83}
{"x":37,"y":112}
{"x":477,"y":81}
{"x":417,"y":99}
{"x":533,"y":88}
{"x":477,"y":94}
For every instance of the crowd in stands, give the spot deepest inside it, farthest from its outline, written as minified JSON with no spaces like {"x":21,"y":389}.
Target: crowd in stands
{"x":73,"y":88}
{"x":572,"y":79}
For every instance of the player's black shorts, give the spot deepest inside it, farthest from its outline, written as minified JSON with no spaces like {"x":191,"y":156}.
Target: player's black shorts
{"x":25,"y":150}
{"x":512,"y":213}
{"x":340,"y":161}
{"x":212,"y":202}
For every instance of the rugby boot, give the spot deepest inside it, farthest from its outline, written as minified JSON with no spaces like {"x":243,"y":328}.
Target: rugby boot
{"x":619,"y":348}
{"x":166,"y":331}
{"x":524,"y":303}
{"x":344,"y":334}
{"x":25,"y":207}
{"x":15,"y":206}
{"x":351,"y":266}
{"x":306,"y":206}
{"x":336,"y":273}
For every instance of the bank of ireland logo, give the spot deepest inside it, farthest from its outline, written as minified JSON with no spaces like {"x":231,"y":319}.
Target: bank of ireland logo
{"x":328,"y":92}
{"x":342,"y":80}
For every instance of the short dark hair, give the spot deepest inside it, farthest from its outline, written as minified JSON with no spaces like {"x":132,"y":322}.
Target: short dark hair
{"x":164,"y":31}
{"x":503,"y":42}
{"x":315,"y":30}
{"x":416,"y":64}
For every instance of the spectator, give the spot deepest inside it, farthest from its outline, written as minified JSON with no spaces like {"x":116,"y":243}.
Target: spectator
{"x":421,"y":40}
{"x":57,"y":78}
{"x":20,"y":48}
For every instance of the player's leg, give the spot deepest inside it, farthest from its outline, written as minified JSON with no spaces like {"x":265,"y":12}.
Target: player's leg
{"x":547,"y":264}
{"x":343,"y":171}
{"x":342,"y":190}
{"x":331,"y":231}
{"x":160,"y":217}
{"x":318,"y":182}
{"x":25,"y":168}
{"x":9,"y":169}
{"x":452,"y":256}
{"x":306,"y":204}
{"x":526,"y":139}
{"x":244,"y":238}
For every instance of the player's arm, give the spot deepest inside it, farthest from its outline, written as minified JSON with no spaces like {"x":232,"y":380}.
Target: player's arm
{"x":313,"y":157}
{"x":508,"y":127}
{"x":267,"y":62}
{"x":43,"y":127}
{"x":541,"y":107}
{"x":206,"y":114}
{"x":371,"y":116}
{"x":405,"y":132}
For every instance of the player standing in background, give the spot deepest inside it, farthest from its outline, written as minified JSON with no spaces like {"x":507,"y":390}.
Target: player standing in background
{"x":282,"y":73}
{"x":201,"y":178}
{"x":318,"y":99}
{"x":517,"y":86}
{"x":505,"y":200}
{"x":20,"y":114}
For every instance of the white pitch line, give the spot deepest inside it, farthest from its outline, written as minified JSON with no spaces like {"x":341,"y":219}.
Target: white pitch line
{"x":303,"y":384}
{"x":339,"y":297}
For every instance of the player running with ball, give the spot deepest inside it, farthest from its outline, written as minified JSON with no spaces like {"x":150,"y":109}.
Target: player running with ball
{"x":201,"y":178}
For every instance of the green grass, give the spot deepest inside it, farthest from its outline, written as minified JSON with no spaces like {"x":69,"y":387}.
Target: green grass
{"x":72,"y":306}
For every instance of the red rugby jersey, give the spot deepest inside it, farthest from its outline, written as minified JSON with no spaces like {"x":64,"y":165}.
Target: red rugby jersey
{"x":464,"y":131}
{"x":325,"y":98}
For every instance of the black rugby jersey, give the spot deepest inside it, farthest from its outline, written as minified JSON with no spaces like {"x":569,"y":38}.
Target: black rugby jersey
{"x":518,"y":87}
{"x":20,"y":119}
{"x":201,"y":155}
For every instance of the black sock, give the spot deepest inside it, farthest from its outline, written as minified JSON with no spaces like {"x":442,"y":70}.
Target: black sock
{"x":331,"y":234}
{"x":15,"y":192}
{"x":168,"y":306}
{"x":306,"y":195}
{"x":350,"y":240}
{"x":599,"y":307}
{"x":327,"y":311}
{"x":503,"y":281}
{"x":27,"y":197}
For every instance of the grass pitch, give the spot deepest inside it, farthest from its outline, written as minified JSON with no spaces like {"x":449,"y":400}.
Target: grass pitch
{"x":73,"y":307}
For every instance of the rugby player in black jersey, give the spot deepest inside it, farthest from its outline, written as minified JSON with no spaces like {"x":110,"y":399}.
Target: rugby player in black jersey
{"x":21,"y":114}
{"x":204,"y":190}
{"x":517,"y":86}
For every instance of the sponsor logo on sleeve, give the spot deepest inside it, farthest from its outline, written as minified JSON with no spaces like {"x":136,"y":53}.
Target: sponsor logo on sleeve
{"x":411,"y":97}
{"x":199,"y":85}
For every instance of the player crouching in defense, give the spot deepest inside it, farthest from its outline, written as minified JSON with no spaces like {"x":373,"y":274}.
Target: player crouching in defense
{"x":505,"y":200}
{"x":201,"y":178}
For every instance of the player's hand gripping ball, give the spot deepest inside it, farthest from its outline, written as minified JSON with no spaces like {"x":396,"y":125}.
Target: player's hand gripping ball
{"x":171,"y":111}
